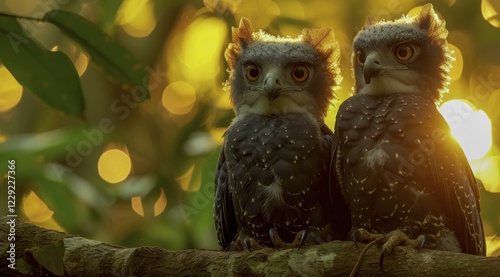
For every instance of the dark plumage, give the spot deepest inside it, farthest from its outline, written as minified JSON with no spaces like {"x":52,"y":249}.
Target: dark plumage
{"x":396,"y":161}
{"x":272,"y":175}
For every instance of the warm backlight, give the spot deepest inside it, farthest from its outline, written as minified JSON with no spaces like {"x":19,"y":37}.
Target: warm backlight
{"x":10,"y":90}
{"x":470,"y":127}
{"x":114,"y":166}
{"x":35,"y":209}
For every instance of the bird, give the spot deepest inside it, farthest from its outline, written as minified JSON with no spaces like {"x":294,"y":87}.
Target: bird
{"x":272,"y":175}
{"x":405,"y":178}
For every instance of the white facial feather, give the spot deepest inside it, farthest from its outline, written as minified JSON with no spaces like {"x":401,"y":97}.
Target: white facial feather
{"x":391,"y":81}
{"x":287,"y":102}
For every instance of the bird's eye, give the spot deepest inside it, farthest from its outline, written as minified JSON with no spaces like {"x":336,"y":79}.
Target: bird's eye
{"x":360,"y":58}
{"x":300,"y":72}
{"x":404,"y":52}
{"x":252,"y":72}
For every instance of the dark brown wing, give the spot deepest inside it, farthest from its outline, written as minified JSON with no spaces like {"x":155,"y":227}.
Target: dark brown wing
{"x":340,"y":210}
{"x":441,"y":167}
{"x":400,"y":168}
{"x":456,"y":185}
{"x":224,"y":216}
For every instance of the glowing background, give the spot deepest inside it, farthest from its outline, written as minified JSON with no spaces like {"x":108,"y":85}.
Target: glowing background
{"x":150,"y":181}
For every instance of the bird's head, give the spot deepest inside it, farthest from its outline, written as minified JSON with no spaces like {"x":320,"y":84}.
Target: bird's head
{"x":275,"y":75}
{"x":408,"y":55}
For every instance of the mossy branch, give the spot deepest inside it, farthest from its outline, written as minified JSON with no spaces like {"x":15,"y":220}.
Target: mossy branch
{"x":45,"y":252}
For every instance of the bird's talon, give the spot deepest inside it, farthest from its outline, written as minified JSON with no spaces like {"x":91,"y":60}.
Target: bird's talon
{"x":273,"y":235}
{"x":303,"y":235}
{"x":382,"y":256}
{"x":247,"y":244}
{"x":423,"y":240}
{"x":276,"y":239}
{"x":355,"y":237}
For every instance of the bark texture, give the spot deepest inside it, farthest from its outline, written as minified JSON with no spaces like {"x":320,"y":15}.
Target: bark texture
{"x":42,"y":252}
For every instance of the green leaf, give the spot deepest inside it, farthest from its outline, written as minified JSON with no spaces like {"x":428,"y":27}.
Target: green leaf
{"x":86,"y":192}
{"x":49,"y":75}
{"x":109,"y":10}
{"x":68,"y":211}
{"x":135,"y":186}
{"x":115,"y":59}
{"x":31,"y":150}
{"x":51,"y":257}
{"x":52,"y":144}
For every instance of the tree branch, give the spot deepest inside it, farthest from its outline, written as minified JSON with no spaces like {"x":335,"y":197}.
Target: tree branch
{"x":46,"y":252}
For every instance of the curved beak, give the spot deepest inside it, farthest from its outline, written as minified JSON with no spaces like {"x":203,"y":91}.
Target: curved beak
{"x":371,"y":68}
{"x":272,"y":86}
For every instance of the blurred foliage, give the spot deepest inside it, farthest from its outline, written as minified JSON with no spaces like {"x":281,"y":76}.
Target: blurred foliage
{"x":49,"y":75}
{"x":137,"y":174}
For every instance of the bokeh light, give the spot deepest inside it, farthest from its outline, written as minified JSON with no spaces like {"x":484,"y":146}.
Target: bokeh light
{"x":81,"y":62}
{"x":158,"y":207}
{"x":489,"y":174}
{"x":490,"y":10}
{"x":10,"y":90}
{"x":199,"y":143}
{"x":174,"y":138}
{"x":114,"y":166}
{"x":217,"y":135}
{"x":415,"y":11}
{"x":202,"y":46}
{"x":137,"y":17}
{"x":196,"y":53}
{"x":191,"y":179}
{"x":35,"y":209}
{"x":178,"y":98}
{"x":260,"y":12}
{"x":470,"y":127}
{"x":493,"y":246}
{"x":494,"y":104}
{"x":221,"y":6}
{"x":332,"y":114}
{"x":79,"y":59}
{"x":449,"y":2}
{"x":161,"y":203}
{"x":222,"y":100}
{"x":136,"y":202}
{"x":293,"y":9}
{"x":24,"y":7}
{"x":458,"y":63}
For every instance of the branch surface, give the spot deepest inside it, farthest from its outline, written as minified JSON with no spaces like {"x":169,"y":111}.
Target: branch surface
{"x":40,"y":251}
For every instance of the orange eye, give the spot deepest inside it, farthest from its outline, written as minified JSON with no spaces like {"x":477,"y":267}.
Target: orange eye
{"x":404,"y":52}
{"x":360,"y":58}
{"x":300,"y":72}
{"x":252,"y":72}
